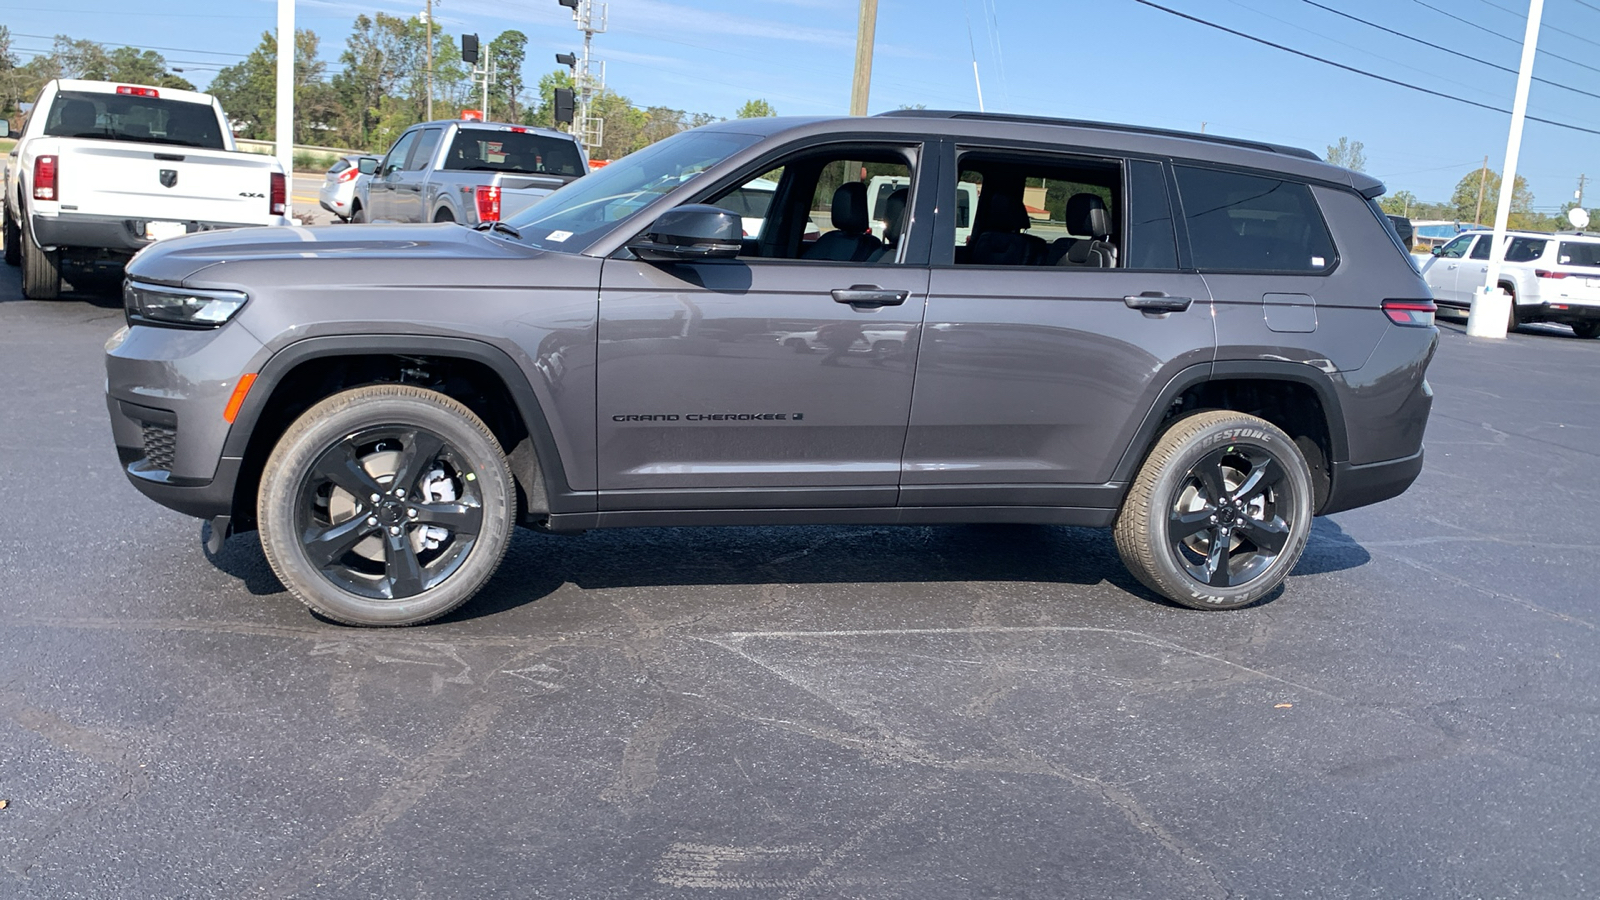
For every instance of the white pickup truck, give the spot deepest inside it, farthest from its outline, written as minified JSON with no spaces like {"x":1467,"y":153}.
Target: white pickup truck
{"x":102,"y":169}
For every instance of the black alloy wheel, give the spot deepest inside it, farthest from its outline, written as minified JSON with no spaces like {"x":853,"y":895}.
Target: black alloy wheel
{"x":386,"y":505}
{"x":1226,"y":526}
{"x":389,"y":512}
{"x":1219,"y":512}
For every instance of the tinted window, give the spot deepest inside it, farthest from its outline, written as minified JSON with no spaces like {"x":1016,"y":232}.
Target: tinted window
{"x":1579,"y":253}
{"x":1253,"y":223}
{"x":1151,"y":244}
{"x":426,"y":145}
{"x":123,"y":117}
{"x":1524,"y":249}
{"x":1480,"y":250}
{"x":486,"y":150}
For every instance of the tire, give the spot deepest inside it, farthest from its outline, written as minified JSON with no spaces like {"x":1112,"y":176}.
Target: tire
{"x":1199,"y":464}
{"x":1512,"y":318}
{"x":1586,"y":330}
{"x":394,"y":561}
{"x":13,"y":239}
{"x":443,"y":215}
{"x":41,"y":269}
{"x":358,"y":214}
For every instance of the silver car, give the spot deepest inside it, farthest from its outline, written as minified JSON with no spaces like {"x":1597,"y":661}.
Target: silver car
{"x":339,"y":186}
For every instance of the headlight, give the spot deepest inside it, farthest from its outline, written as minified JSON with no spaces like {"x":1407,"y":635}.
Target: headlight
{"x":179,"y":306}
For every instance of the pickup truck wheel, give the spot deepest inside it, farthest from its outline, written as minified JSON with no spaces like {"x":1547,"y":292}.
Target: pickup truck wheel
{"x":1219,"y":513}
{"x":41,"y":269}
{"x":385,"y":505}
{"x":1586,"y":330}
{"x":13,"y":239}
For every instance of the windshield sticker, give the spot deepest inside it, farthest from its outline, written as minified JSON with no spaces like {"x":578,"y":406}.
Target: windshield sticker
{"x":558,"y":236}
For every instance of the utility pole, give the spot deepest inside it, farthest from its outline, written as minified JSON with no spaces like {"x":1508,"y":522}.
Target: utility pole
{"x":1483,"y":180}
{"x":1579,"y":196}
{"x":866,"y":33}
{"x":428,"y":18}
{"x":1491,"y":306}
{"x":585,"y":81}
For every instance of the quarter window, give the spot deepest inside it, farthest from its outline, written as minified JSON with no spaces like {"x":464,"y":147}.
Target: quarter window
{"x":1252,"y":223}
{"x":1525,"y":249}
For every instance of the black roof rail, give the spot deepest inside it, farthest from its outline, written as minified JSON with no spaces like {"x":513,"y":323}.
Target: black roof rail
{"x":1104,"y":126}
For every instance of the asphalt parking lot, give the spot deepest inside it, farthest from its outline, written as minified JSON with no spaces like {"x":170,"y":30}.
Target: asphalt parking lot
{"x":812,"y":712}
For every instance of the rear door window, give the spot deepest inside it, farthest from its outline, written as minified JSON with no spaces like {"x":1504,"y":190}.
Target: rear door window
{"x":424,"y":152}
{"x":1480,"y":250}
{"x":1253,"y":223}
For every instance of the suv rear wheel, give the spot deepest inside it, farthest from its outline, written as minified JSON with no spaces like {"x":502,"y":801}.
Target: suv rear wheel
{"x":385,"y":505}
{"x":1219,"y":513}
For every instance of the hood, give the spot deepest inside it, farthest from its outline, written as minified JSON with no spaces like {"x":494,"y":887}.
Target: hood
{"x":177,"y":260}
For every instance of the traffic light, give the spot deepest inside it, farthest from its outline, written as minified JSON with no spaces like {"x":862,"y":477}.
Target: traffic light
{"x":569,"y":4}
{"x":570,"y":60}
{"x":564,"y":105}
{"x":469,"y":49}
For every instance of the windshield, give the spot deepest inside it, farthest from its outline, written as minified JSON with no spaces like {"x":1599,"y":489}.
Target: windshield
{"x":574,"y":216}
{"x":483,"y":150}
{"x":125,"y":117}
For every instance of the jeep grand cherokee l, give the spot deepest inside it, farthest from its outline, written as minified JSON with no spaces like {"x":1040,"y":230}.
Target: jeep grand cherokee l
{"x":1197,"y":341}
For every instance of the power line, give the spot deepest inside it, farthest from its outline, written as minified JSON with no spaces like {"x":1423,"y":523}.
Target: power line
{"x":47,"y":37}
{"x":1451,"y":15}
{"x":1338,"y":65}
{"x":1457,"y":53}
{"x":1585,"y":3}
{"x":1524,"y":17}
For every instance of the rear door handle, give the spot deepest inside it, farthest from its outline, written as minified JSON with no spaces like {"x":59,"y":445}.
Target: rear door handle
{"x":1157,"y":302}
{"x":869,"y":295}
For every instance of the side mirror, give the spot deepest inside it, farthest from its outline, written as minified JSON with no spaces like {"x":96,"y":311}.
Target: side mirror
{"x":1435,"y":251}
{"x":367,"y":165}
{"x":694,"y":231}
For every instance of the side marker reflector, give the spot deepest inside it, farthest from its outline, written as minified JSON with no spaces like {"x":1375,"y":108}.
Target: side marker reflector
{"x":240,"y":391}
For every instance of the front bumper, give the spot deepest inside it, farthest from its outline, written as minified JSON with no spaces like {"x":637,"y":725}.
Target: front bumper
{"x":119,"y":234}
{"x":166,"y":390}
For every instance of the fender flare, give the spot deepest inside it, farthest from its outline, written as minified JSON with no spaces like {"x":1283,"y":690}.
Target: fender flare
{"x":1236,"y":370}
{"x":558,"y":495}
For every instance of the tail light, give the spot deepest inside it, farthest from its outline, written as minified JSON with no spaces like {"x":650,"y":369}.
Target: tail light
{"x":488,"y":203}
{"x":1410,"y":313}
{"x":350,"y":174}
{"x":46,"y":178}
{"x":128,"y":90}
{"x":1546,"y":273}
{"x":278,"y":200}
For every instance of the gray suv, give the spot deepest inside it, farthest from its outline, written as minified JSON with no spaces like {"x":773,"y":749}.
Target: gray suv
{"x":1197,"y":341}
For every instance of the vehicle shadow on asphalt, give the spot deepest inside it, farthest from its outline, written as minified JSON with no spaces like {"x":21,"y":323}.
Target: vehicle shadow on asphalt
{"x":537,"y":565}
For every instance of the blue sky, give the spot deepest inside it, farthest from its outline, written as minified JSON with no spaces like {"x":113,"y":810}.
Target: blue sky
{"x":1098,"y":59}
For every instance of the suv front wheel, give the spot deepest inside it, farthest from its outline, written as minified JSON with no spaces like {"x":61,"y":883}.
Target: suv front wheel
{"x":1219,"y":513}
{"x":385,"y":505}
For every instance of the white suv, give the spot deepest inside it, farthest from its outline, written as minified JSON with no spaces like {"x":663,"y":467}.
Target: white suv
{"x":1551,"y":277}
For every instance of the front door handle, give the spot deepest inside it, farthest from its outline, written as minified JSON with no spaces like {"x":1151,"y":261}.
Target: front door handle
{"x":869,"y":295}
{"x":1151,"y":301}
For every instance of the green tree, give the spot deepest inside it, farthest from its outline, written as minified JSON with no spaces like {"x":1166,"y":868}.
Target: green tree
{"x":128,"y":64}
{"x":508,"y":52}
{"x":248,"y":90}
{"x":1464,"y":206}
{"x":1349,"y":154}
{"x":383,"y":80}
{"x":755,"y":109}
{"x":545,"y":113}
{"x":1400,"y":203}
